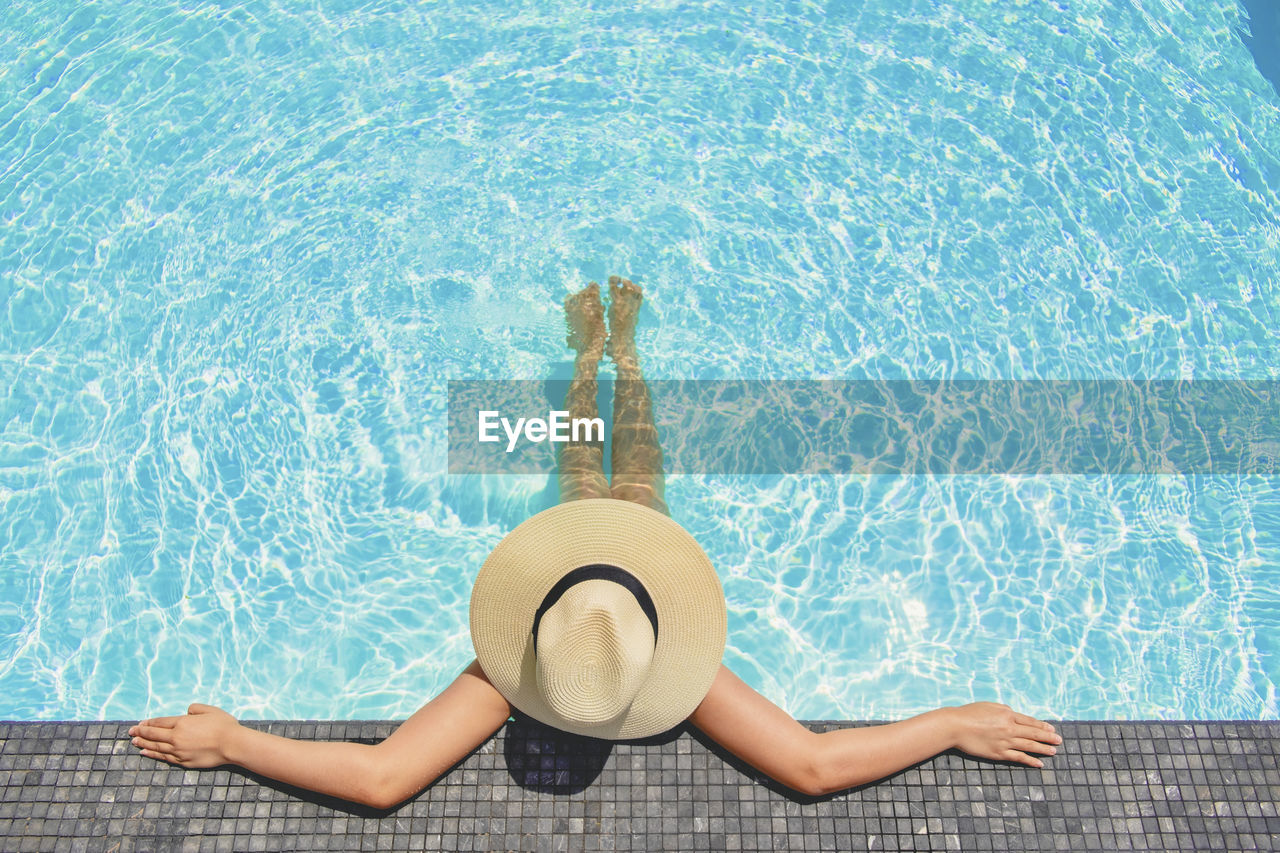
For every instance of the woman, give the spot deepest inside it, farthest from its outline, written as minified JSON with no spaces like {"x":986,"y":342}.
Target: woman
{"x":601,"y":617}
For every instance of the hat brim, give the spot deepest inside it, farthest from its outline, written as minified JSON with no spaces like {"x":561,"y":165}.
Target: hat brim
{"x":676,"y":572}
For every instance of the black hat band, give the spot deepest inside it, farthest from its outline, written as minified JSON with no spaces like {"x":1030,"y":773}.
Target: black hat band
{"x":604,"y":572}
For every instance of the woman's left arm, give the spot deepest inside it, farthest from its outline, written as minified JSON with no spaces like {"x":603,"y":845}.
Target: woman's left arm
{"x":435,"y":738}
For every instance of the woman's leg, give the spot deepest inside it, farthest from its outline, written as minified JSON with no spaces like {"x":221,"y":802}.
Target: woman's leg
{"x":582,"y":462}
{"x":637,"y":456}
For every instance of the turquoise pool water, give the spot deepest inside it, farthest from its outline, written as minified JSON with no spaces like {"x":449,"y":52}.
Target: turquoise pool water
{"x":245,"y":246}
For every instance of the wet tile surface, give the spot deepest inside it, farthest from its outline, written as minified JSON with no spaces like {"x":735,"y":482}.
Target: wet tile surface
{"x":1112,"y":786}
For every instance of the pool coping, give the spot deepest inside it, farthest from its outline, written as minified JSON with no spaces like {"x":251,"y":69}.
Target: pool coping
{"x":1114,"y":785}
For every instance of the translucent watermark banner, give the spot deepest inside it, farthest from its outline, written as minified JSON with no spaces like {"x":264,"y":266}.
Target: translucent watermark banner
{"x":881,"y":427}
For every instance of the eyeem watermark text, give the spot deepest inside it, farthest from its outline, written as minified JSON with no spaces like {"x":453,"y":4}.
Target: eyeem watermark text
{"x":1021,"y":428}
{"x":557,"y":427}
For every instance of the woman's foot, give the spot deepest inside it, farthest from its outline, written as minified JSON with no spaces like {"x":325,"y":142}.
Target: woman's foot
{"x":585,"y":316}
{"x":624,"y":309}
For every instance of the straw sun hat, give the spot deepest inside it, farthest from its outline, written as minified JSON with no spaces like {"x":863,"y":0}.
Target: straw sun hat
{"x":600,"y":617}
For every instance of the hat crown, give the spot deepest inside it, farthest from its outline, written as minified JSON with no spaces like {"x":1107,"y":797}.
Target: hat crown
{"x":594,"y":648}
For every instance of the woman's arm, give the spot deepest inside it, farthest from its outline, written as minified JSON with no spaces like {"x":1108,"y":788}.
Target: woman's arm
{"x":435,"y":738}
{"x":767,"y":738}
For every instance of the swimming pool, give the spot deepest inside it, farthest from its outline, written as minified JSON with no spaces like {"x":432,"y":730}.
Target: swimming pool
{"x":245,"y":248}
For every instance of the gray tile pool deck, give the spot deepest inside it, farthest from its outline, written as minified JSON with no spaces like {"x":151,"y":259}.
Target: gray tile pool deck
{"x":1112,"y":786}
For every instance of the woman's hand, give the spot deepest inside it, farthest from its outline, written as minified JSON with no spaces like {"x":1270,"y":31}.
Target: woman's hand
{"x":199,"y":739}
{"x":990,"y":730}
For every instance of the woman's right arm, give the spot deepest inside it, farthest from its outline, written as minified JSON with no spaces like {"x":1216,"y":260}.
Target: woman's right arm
{"x":766,"y":737}
{"x":439,"y":735}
